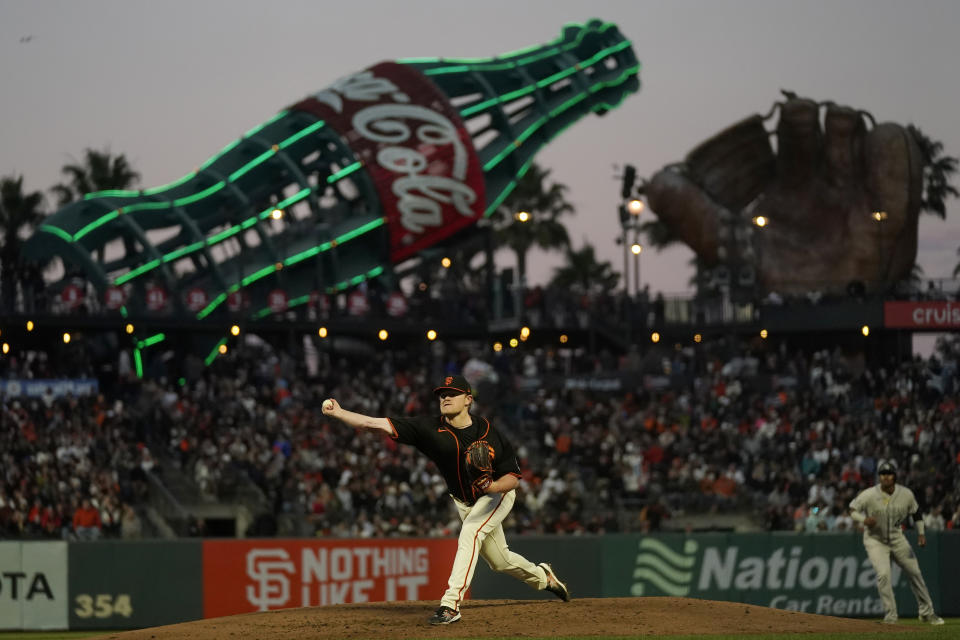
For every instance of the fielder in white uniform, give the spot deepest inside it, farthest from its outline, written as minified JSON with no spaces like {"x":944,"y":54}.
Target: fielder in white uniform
{"x":482,"y":507}
{"x":881,"y":509}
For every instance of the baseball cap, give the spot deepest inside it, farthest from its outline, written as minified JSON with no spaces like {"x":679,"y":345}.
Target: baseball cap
{"x":886,"y":467}
{"x":454,"y":383}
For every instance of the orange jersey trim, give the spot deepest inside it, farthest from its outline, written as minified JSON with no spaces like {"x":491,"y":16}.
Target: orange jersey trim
{"x":457,"y":441}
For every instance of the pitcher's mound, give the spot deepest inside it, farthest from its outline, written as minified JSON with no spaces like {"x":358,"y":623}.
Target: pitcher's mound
{"x":511,"y":618}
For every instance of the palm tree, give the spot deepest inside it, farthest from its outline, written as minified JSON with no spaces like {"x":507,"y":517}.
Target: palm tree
{"x":98,"y":171}
{"x":19,"y":212}
{"x":938,"y":170}
{"x":659,"y":236}
{"x":544,"y":203}
{"x":582,"y":273}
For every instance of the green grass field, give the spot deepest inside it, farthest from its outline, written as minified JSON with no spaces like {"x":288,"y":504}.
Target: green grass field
{"x":949,"y":631}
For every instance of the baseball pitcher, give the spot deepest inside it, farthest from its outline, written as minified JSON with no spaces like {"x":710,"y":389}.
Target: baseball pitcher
{"x":881,"y":509}
{"x":481,"y":471}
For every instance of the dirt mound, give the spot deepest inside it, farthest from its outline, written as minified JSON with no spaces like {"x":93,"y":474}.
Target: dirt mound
{"x":510,"y":618}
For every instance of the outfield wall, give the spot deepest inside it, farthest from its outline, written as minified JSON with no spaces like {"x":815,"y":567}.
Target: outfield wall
{"x":126,"y":585}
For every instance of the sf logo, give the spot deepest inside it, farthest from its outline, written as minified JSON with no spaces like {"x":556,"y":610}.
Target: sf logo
{"x":270,"y":569}
{"x":448,"y":380}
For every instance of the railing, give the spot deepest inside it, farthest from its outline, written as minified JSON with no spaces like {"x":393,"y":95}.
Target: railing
{"x":164,"y":502}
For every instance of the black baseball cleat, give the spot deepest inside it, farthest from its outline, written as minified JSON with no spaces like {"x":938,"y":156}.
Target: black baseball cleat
{"x":444,"y":615}
{"x":554,"y":585}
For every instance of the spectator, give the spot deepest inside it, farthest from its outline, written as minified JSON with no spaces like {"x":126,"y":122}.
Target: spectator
{"x":86,"y":521}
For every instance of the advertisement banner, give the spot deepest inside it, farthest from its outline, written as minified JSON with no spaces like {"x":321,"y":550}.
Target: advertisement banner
{"x":576,"y":559}
{"x":126,"y":585}
{"x":415,"y":146}
{"x":921,"y":315}
{"x":32,"y":388}
{"x":242,"y":576}
{"x":33,"y":585}
{"x":823,"y":573}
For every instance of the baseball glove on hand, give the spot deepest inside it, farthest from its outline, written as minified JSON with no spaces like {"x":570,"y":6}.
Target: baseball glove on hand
{"x":479,"y":462}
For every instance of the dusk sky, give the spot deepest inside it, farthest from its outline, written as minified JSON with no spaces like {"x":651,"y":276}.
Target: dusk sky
{"x":170,"y":83}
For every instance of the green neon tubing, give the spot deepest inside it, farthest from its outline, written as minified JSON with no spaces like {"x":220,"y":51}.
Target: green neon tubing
{"x":553,"y":48}
{"x":526,"y":166}
{"x":57,"y":231}
{"x":265,"y":271}
{"x":560,"y":75}
{"x":138,"y":361}
{"x":213,"y":354}
{"x":193,"y":198}
{"x":212,"y":240}
{"x":152,"y":340}
{"x":189,"y":176}
{"x":497,"y":159}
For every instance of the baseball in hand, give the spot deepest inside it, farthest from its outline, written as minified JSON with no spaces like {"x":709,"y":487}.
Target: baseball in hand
{"x":328,"y":405}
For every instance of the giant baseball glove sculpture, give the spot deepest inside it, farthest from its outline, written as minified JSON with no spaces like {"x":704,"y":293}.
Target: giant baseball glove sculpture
{"x":840,"y":193}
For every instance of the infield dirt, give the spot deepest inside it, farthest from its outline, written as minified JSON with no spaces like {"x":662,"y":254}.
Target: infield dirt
{"x":511,"y":618}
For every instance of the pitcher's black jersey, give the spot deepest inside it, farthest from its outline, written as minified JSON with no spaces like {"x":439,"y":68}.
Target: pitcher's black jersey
{"x":446,"y":445}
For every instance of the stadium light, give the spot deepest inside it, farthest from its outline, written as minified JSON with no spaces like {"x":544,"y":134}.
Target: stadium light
{"x":276,"y":214}
{"x":563,"y":338}
{"x":514,"y":342}
{"x":445,"y":262}
{"x":322,"y":332}
{"x":129,"y":328}
{"x":431,"y":335}
{"x":66,"y":337}
{"x":697,"y":338}
{"x":524,"y":333}
{"x":879,"y":216}
{"x":654,"y":337}
{"x":29,"y":325}
{"x":636,"y":248}
{"x":763,"y":333}
{"x":383,"y":335}
{"x":5,"y":348}
{"x":222,"y":349}
{"x":635,"y":206}
{"x":498,"y":347}
{"x":865,"y":330}
{"x":235,"y":330}
{"x":761,"y":221}
{"x":521,"y":216}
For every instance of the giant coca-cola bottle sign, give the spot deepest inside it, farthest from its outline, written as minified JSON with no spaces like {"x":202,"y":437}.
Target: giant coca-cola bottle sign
{"x":415,"y":147}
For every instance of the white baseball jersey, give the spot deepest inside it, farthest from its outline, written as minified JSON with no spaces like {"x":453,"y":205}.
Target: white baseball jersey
{"x":889,"y":510}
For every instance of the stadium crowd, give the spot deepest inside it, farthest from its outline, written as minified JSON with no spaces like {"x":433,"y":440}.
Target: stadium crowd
{"x":709,"y":428}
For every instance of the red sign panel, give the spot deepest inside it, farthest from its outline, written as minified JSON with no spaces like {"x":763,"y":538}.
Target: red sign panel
{"x":114,"y":297}
{"x":277,"y":300}
{"x":237,"y":301}
{"x":241,"y":576}
{"x":396,"y":304}
{"x":71,"y":296}
{"x":414,"y":145}
{"x":921,"y":315}
{"x":197,"y":299}
{"x":357,"y":304}
{"x":156,"y":298}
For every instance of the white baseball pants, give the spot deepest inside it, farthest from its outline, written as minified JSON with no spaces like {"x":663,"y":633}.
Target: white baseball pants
{"x":481,"y":535}
{"x":879,"y":554}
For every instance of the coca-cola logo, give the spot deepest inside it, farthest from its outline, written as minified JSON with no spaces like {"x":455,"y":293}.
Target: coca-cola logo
{"x":414,"y":146}
{"x":420,"y":194}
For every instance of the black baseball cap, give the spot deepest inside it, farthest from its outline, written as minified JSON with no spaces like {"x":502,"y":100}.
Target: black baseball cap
{"x":886,"y":467}
{"x":454,"y":383}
